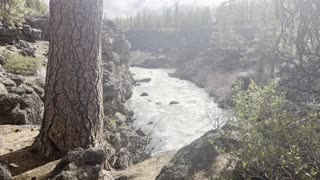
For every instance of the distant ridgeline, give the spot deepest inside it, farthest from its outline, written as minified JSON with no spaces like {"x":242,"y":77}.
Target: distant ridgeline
{"x":171,"y":27}
{"x":153,"y":40}
{"x":177,"y":26}
{"x":174,"y":17}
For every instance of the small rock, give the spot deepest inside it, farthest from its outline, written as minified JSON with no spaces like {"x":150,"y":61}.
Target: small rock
{"x":150,"y":123}
{"x":173,"y":102}
{"x":2,"y":60}
{"x":144,"y":80}
{"x":18,"y":79}
{"x":23,"y":44}
{"x":17,"y":130}
{"x":28,"y":52}
{"x":27,"y":30}
{"x":2,"y":70}
{"x":3,"y":89}
{"x":39,"y":90}
{"x":11,"y":48}
{"x":130,"y":113}
{"x":8,"y":82}
{"x":140,"y":133}
{"x":13,"y":165}
{"x":18,"y":90}
{"x":144,"y":94}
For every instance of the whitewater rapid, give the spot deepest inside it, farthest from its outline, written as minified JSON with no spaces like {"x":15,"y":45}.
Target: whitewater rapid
{"x":172,"y":126}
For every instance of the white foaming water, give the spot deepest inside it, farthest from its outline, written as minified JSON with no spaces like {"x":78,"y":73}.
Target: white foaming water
{"x":174,"y":126}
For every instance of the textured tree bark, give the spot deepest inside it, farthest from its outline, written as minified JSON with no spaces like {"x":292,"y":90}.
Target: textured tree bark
{"x":73,"y":114}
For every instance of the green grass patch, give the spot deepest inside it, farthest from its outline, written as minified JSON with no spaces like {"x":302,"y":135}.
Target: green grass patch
{"x":18,"y":64}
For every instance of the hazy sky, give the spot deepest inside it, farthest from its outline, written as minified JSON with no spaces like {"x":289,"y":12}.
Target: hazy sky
{"x":129,"y":7}
{"x":115,"y":8}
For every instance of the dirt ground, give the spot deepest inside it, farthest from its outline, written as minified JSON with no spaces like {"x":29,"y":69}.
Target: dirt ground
{"x":24,"y":165}
{"x":146,"y":170}
{"x":15,"y":154}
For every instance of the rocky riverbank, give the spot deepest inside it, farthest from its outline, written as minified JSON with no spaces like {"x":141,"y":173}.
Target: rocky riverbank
{"x":213,"y":69}
{"x":21,"y":95}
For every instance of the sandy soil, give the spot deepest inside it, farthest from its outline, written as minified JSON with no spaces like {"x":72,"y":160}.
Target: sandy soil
{"x":14,"y":151}
{"x":13,"y":138}
{"x":147,"y":170}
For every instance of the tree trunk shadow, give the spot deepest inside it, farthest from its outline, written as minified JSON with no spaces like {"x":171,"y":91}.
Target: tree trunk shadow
{"x":23,"y":160}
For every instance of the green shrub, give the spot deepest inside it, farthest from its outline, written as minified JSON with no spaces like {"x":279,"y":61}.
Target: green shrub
{"x":19,"y":64}
{"x":275,"y":143}
{"x":14,"y":11}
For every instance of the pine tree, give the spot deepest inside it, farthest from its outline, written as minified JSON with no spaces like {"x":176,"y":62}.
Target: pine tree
{"x":73,"y":114}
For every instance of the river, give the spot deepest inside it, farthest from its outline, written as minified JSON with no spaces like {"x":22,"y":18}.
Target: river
{"x":172,"y":126}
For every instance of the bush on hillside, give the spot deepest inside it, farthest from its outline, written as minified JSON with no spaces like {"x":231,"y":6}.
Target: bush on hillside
{"x":275,"y":143}
{"x":14,"y":11}
{"x":18,"y":64}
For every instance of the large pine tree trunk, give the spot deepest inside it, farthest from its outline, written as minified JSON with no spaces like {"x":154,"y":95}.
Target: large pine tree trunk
{"x":73,"y":104}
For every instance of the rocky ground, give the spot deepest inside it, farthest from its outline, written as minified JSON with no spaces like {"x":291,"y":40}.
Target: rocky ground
{"x":200,"y":160}
{"x":14,"y":138}
{"x":21,"y":100}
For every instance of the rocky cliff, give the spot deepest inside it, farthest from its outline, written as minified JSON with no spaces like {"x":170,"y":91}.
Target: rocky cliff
{"x":123,"y":145}
{"x":117,"y":79}
{"x":12,"y":34}
{"x":21,"y":96}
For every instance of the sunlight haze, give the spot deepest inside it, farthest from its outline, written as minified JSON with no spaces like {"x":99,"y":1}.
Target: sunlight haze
{"x":130,"y":7}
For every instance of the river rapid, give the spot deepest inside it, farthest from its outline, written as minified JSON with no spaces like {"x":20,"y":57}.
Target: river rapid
{"x":172,"y":126}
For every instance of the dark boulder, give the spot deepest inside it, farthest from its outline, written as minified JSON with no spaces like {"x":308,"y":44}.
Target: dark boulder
{"x":202,"y":159}
{"x":80,"y":164}
{"x":173,"y":102}
{"x":19,"y":103}
{"x":41,"y":23}
{"x":8,"y":102}
{"x":140,"y":132}
{"x":144,"y":94}
{"x":31,"y":34}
